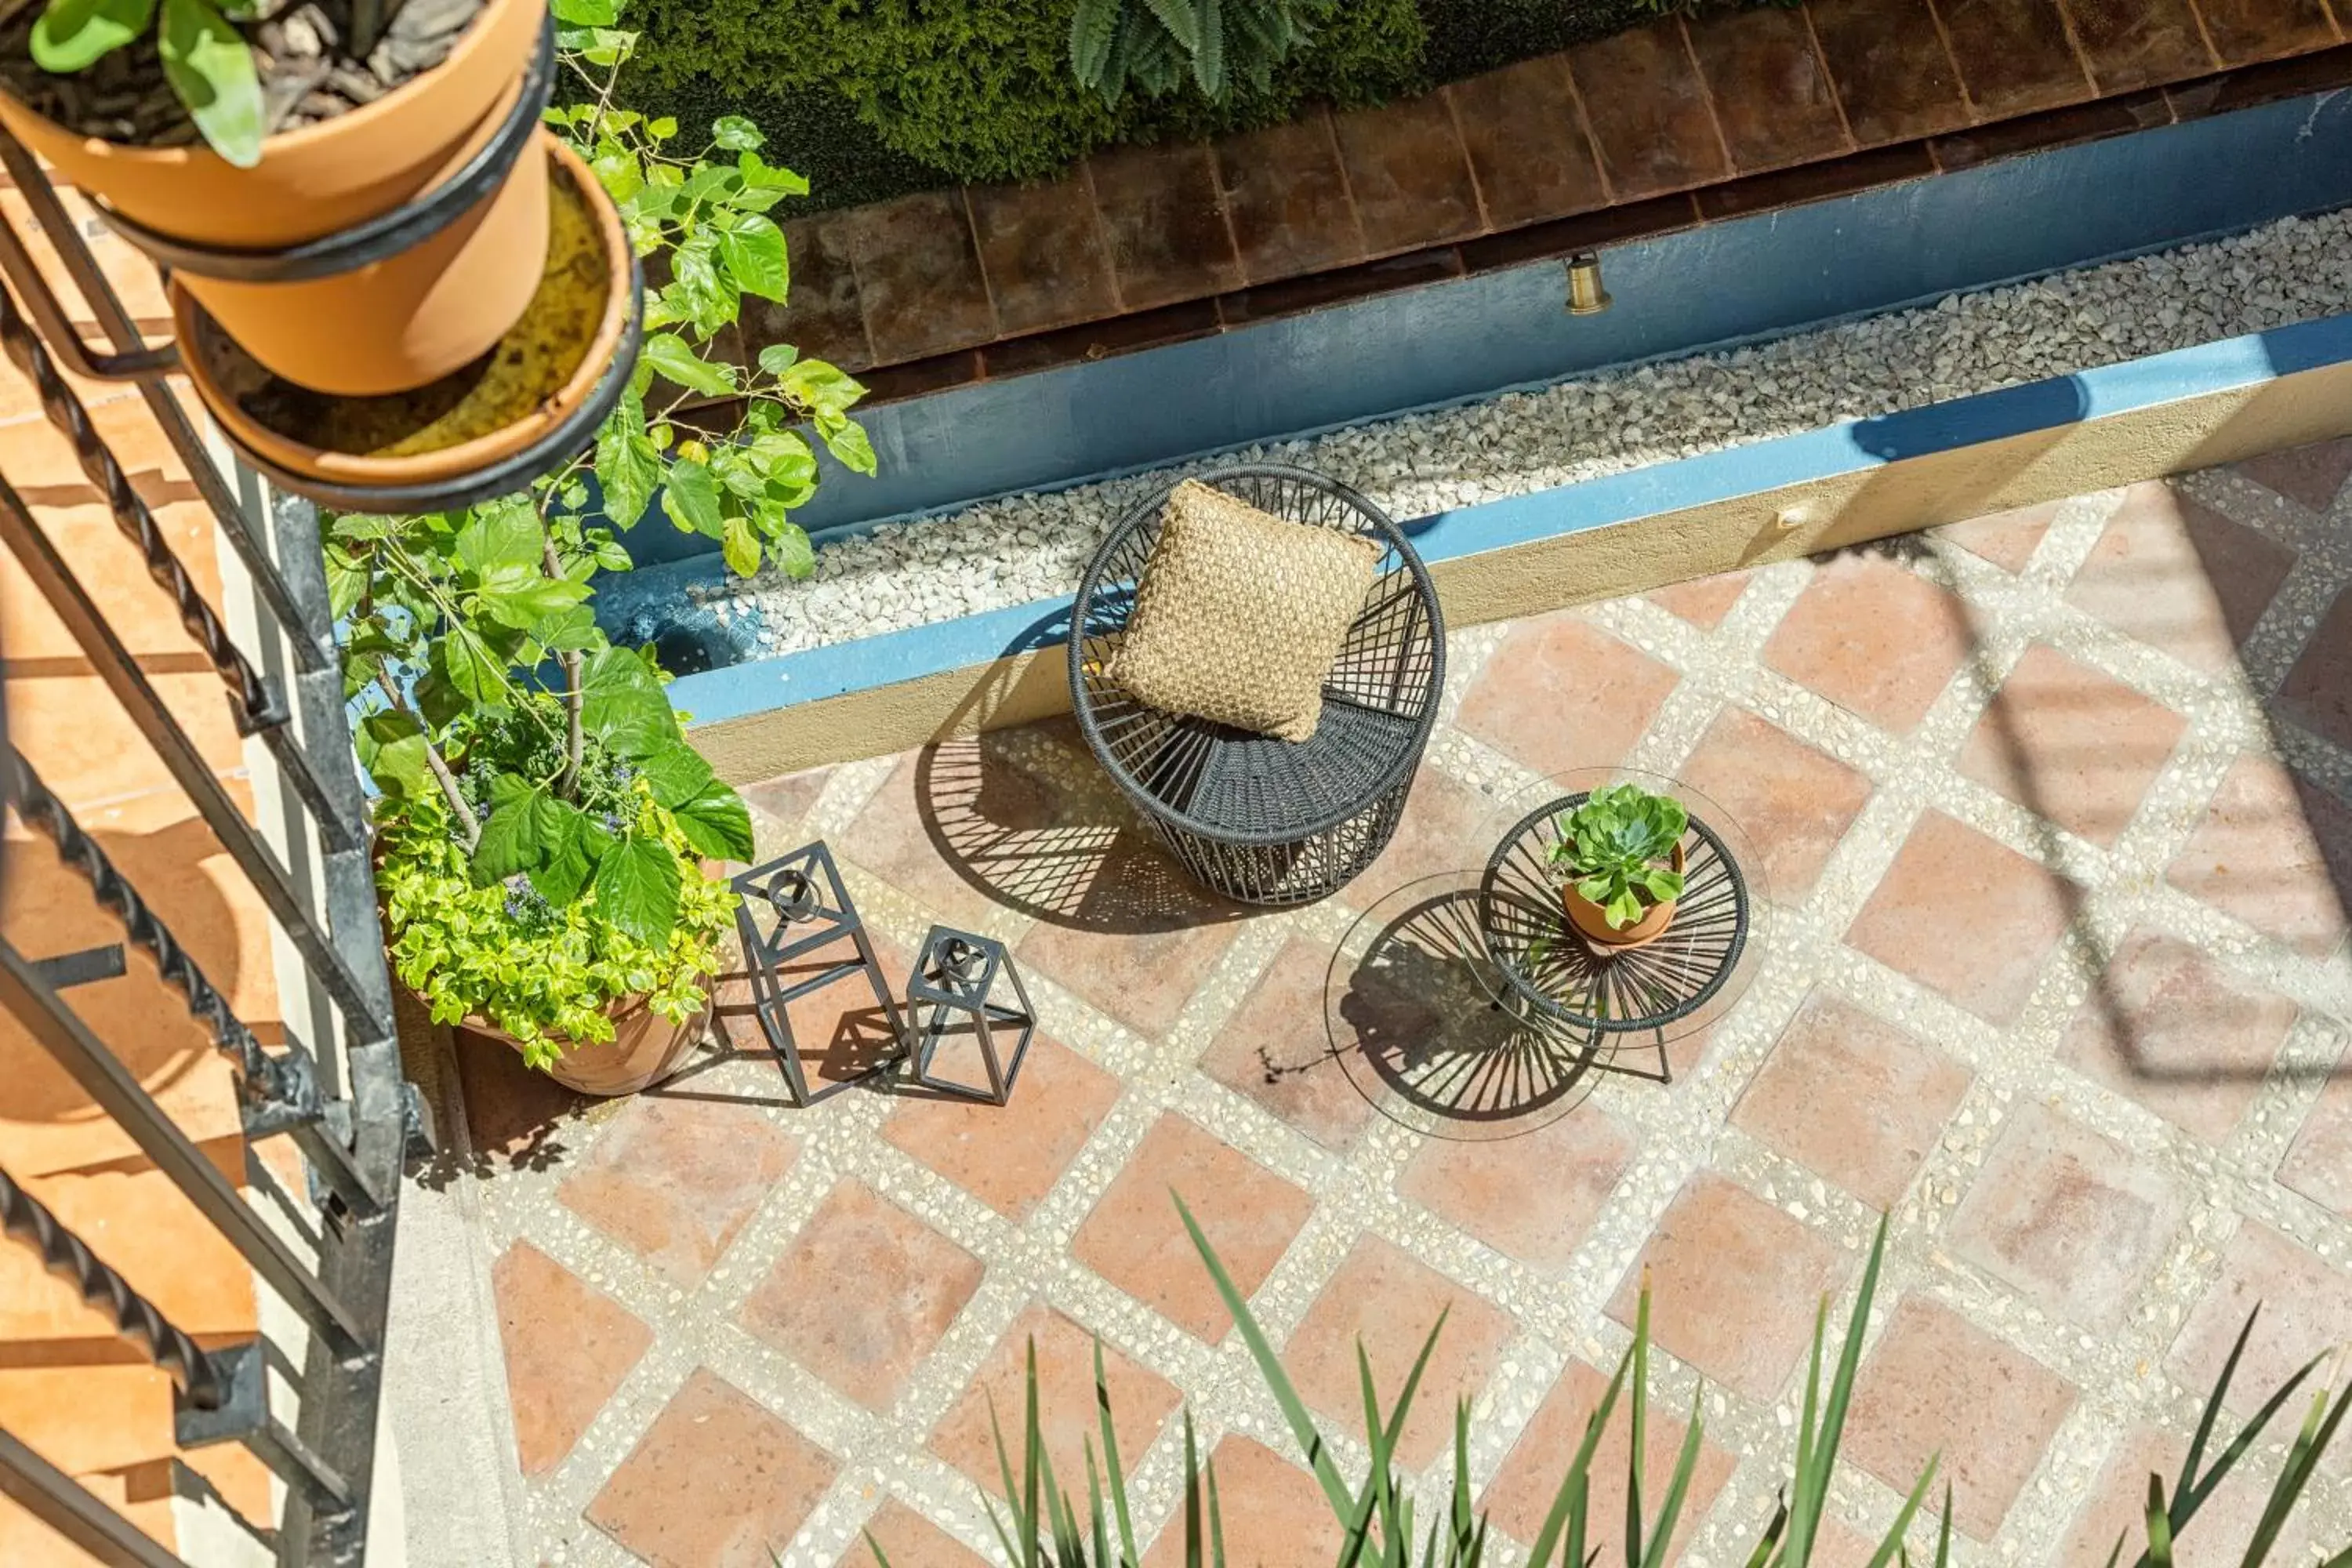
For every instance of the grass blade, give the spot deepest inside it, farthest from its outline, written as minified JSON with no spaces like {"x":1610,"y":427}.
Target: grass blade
{"x":1216,"y":1518}
{"x":1640,"y":1427}
{"x":1816,"y":1485}
{"x":1192,"y":1495}
{"x":2213,"y":1409}
{"x":1684,"y":1464}
{"x":1568,"y":1505}
{"x":2318,"y":1431}
{"x":1893,"y":1545}
{"x":2159,"y":1525}
{"x":1800,"y":1517}
{"x":1118,"y":1475}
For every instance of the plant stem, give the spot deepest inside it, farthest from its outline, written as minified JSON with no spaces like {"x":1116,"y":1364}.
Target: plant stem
{"x":467,"y":823}
{"x":567,"y":783}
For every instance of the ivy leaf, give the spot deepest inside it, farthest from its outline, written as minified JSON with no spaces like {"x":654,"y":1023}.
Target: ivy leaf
{"x":690,"y":497}
{"x":740,"y":546}
{"x":821,"y":386}
{"x":717,"y":823}
{"x":510,"y":840}
{"x":674,"y":360}
{"x":73,"y":34}
{"x":503,"y":533}
{"x":752,"y":246}
{"x":736,"y":133}
{"x":391,"y":749}
{"x":566,"y":863}
{"x":210,"y":68}
{"x":522,"y":602}
{"x":569,"y":630}
{"x":628,"y":467}
{"x":777,"y":358}
{"x":636,"y":885}
{"x":790,"y":545}
{"x":675,"y":774}
{"x":623,"y":703}
{"x":456,"y":664}
{"x":849,"y":444}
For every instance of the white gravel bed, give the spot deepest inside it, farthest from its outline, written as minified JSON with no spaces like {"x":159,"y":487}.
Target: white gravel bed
{"x":1024,"y":548}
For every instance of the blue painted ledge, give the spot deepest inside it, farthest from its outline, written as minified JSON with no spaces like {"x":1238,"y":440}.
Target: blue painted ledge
{"x":789,"y":680}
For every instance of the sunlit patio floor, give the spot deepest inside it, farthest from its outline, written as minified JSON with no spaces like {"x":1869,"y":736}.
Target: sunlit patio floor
{"x":2052,"y":812}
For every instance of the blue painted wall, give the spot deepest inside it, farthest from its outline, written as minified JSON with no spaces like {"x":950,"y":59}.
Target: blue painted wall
{"x":1710,"y":287}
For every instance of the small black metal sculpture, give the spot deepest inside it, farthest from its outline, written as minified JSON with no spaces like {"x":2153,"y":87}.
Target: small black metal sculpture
{"x":954,"y":976}
{"x":812,"y":911}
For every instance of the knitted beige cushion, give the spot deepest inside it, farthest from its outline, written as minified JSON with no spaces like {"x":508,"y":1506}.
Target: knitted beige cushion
{"x":1239,"y":614}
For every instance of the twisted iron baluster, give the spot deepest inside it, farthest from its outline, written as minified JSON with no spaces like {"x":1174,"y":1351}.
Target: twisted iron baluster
{"x":285,"y":1082}
{"x":23,"y":1216}
{"x":259,"y":706}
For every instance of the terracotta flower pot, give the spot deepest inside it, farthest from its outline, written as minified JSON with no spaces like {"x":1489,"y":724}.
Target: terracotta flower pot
{"x":1591,"y":921}
{"x":547,"y":374}
{"x":646,"y":1048}
{"x":392,"y":325}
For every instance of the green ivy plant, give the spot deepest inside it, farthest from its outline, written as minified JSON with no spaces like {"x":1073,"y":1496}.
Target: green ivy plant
{"x":1153,"y":45}
{"x":206,"y":59}
{"x":1615,"y":846}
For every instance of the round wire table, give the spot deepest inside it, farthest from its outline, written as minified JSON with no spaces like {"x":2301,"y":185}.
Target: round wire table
{"x":1611,"y":997}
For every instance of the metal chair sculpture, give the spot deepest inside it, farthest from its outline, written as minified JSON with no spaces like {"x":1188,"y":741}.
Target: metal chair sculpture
{"x":1259,"y":819}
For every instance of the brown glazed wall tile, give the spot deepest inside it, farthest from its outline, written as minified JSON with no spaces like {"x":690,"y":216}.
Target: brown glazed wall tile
{"x":1293,"y":296}
{"x":1586,"y":231}
{"x":1648,"y":110}
{"x":2132,"y":44}
{"x":2246,"y":30}
{"x":1771,"y":95}
{"x":918,"y":277}
{"x":1288,"y":200}
{"x":1892,"y":72}
{"x":820,"y":313}
{"x":1042,"y":254}
{"x":1816,"y":181}
{"x":2248,"y":86}
{"x":1101,"y":340}
{"x":1409,"y":174}
{"x":1525,"y":137}
{"x":2057,"y":128}
{"x":1166,"y":224}
{"x":2014,"y":56}
{"x":917,"y":377}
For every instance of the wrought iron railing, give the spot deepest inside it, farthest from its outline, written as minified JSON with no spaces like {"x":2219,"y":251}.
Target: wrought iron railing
{"x":304,"y":1404}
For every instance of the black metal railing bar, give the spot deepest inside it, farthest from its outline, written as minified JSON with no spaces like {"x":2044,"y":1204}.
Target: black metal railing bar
{"x":62,"y":1503}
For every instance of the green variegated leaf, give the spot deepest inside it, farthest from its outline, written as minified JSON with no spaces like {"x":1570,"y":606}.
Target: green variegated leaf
{"x":73,"y":34}
{"x":210,"y":68}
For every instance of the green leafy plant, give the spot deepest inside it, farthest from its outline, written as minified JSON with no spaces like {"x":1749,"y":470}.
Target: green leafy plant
{"x":1153,"y":45}
{"x":1616,"y":848}
{"x":206,"y":58}
{"x":1039,"y":1524}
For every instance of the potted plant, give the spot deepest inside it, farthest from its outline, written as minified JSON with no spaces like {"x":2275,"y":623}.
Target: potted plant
{"x":546,"y":831}
{"x":1619,"y":857}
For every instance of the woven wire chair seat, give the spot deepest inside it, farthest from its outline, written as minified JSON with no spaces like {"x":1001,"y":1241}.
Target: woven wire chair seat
{"x":1260,"y":819}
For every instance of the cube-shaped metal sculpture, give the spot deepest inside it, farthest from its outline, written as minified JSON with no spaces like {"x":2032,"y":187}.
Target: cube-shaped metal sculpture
{"x":811,"y":912}
{"x":956,"y":978}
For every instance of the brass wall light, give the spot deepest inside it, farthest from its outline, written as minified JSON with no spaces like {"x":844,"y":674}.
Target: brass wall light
{"x":1586,"y":297}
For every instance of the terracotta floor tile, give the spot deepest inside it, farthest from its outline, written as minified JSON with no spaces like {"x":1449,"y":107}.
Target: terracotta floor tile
{"x":2007,"y":539}
{"x":1532,"y":1198}
{"x":1734,"y":1285}
{"x":2318,"y":1163}
{"x":1274,"y":1512}
{"x":2132,"y":44}
{"x":2014,"y":55}
{"x":2312,"y":475}
{"x":1648,"y":109}
{"x":911,"y":1541}
{"x":1520,"y":1495}
{"x":1793,"y":803}
{"x":2072,"y":745}
{"x":1010,"y":1156}
{"x":1702,"y":600}
{"x":1276,"y":1048}
{"x":785,"y":801}
{"x":2180,"y":1034}
{"x":1142,"y":977}
{"x":1853,"y":1098}
{"x":863,"y":1294}
{"x":1140,"y":1400}
{"x":2317,"y":693}
{"x":2246,"y":30}
{"x":1560,"y":693}
{"x":919,"y":278}
{"x":1135,"y":1238}
{"x":673,"y":1179}
{"x":2306,"y":1306}
{"x":1042,"y":254}
{"x":1438,"y":835}
{"x":1891,"y":70}
{"x":1770,"y":91}
{"x":2225,"y":1521}
{"x":1525,"y":135}
{"x":1965,"y":916}
{"x":1166,"y":224}
{"x":715,"y":1482}
{"x":2276,"y":852}
{"x":1410,"y":174}
{"x":567,"y":1348}
{"x":1873,"y":638}
{"x":2180,"y":576}
{"x":1288,"y":200}
{"x":2070,"y":1219}
{"x":840,"y":1030}
{"x":1390,"y":1301}
{"x":945,"y":816}
{"x":1935,"y":1382}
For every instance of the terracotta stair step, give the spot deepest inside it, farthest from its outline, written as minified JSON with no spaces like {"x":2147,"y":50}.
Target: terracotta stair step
{"x":139,"y":1223}
{"x":135,"y":1494}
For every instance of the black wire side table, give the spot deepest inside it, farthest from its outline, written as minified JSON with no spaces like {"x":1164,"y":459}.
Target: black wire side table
{"x":1613,"y":996}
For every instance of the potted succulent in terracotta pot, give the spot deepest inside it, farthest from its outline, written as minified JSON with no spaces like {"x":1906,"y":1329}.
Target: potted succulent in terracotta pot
{"x":1619,"y":857}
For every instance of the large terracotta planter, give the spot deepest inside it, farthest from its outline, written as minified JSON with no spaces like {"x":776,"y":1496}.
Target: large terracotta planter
{"x":394,"y":325}
{"x":646,"y":1048}
{"x":1591,"y":921}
